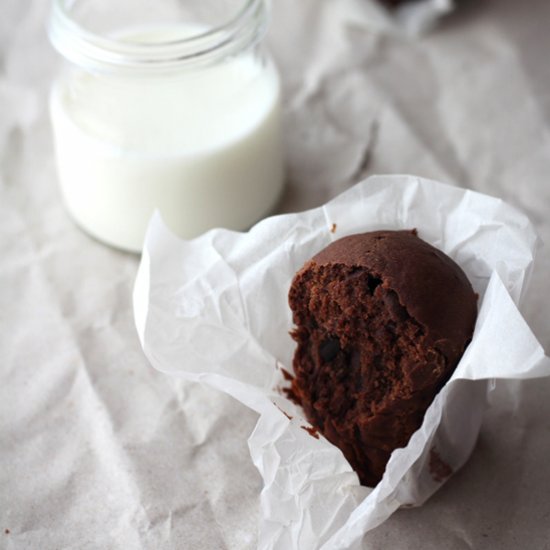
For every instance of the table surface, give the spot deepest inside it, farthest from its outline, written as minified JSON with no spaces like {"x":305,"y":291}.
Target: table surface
{"x":98,"y":450}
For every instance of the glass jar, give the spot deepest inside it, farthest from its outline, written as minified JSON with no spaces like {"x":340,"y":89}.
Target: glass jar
{"x":168,"y":105}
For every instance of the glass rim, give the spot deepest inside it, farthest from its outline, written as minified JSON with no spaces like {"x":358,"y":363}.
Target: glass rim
{"x":87,"y":48}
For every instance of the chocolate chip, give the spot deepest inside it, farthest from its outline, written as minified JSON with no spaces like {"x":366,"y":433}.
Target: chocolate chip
{"x":396,"y":310}
{"x":373,"y":282}
{"x":329,"y":349}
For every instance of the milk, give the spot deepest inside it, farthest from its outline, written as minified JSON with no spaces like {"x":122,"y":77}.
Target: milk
{"x":203,"y":147}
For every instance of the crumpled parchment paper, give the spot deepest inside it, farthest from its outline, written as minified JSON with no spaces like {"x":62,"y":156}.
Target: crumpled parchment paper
{"x":214,"y":309}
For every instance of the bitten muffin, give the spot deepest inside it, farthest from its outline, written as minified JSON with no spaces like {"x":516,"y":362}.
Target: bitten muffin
{"x":382,"y":319}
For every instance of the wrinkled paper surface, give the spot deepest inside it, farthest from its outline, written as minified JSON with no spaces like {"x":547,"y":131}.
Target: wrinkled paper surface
{"x":214,"y":309}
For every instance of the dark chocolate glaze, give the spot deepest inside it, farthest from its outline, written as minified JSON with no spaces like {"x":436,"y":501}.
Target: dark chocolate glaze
{"x":381,"y":319}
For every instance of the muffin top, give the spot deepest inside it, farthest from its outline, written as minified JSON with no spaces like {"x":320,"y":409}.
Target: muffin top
{"x":429,"y":284}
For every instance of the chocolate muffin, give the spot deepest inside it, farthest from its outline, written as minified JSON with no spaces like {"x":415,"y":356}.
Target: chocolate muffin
{"x":382,"y":319}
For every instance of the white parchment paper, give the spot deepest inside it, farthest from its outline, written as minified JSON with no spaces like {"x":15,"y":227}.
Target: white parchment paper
{"x":215,"y":310}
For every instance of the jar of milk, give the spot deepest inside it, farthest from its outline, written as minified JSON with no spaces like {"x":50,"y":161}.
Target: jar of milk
{"x":165,"y":104}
